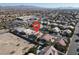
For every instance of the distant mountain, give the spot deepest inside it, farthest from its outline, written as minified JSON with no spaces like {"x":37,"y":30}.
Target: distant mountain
{"x":21,"y":7}
{"x":67,"y":8}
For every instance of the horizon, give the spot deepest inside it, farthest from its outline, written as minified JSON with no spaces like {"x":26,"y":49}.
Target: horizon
{"x":43,"y":5}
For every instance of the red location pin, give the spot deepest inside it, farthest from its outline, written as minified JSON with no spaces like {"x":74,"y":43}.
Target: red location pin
{"x":36,"y":26}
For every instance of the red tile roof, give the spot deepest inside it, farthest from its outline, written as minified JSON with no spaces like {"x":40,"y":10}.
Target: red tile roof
{"x":48,"y":37}
{"x":62,"y":42}
{"x":49,"y":50}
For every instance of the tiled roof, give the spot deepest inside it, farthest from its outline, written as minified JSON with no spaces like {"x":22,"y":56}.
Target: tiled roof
{"x":49,"y":50}
{"x":47,"y":37}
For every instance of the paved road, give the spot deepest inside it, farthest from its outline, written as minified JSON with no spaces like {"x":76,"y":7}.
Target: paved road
{"x":74,"y":45}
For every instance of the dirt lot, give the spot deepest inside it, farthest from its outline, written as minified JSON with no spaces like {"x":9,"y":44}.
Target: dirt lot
{"x":11,"y":44}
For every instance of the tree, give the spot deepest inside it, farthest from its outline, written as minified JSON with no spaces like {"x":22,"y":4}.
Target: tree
{"x":33,"y":50}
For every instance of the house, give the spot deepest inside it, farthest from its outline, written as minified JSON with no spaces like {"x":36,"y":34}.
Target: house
{"x":66,"y":32}
{"x":48,"y":23}
{"x":19,"y":29}
{"x":41,"y":26}
{"x":61,"y":26}
{"x":49,"y":50}
{"x":71,"y":27}
{"x":54,"y":24}
{"x":56,"y":30}
{"x":22,"y":29}
{"x":29,"y":31}
{"x":24,"y":17}
{"x":62,"y":42}
{"x":38,"y":34}
{"x":48,"y":37}
{"x":30,"y":22}
{"x":66,"y":40}
{"x":73,"y":23}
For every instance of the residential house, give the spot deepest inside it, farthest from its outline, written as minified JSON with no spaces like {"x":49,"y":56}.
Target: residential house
{"x":49,"y":50}
{"x":62,"y":42}
{"x":66,"y":32}
{"x":38,"y":34}
{"x":22,"y":29}
{"x":48,"y":37}
{"x":56,"y":30}
{"x":29,"y":31}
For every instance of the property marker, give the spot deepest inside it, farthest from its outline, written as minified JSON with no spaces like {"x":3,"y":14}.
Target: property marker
{"x":36,"y":26}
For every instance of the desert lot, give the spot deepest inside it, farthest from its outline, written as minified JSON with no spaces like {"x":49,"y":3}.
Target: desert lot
{"x":11,"y":44}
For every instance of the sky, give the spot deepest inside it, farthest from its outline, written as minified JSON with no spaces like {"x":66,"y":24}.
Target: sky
{"x":45,"y":5}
